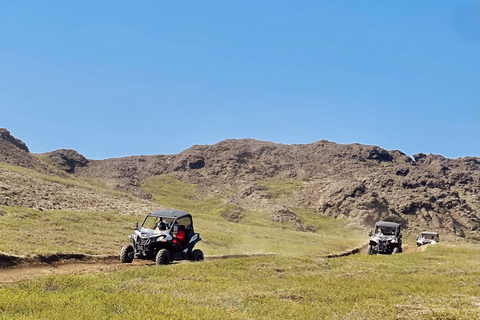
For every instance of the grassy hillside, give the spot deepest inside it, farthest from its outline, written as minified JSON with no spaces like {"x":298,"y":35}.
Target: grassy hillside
{"x":256,"y":232}
{"x":27,"y":231}
{"x":440,"y":283}
{"x":63,"y":179}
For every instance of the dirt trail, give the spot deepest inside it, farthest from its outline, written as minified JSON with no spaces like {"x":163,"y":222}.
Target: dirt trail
{"x":11,"y":275}
{"x":412,"y":248}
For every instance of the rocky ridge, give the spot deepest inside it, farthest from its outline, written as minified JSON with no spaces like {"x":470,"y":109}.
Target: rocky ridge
{"x":357,"y":182}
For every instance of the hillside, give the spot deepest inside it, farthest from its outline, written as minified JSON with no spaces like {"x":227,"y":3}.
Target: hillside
{"x":357,"y":182}
{"x":27,"y":181}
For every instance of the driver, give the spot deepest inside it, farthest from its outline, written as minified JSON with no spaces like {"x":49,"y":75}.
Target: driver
{"x":161,"y":227}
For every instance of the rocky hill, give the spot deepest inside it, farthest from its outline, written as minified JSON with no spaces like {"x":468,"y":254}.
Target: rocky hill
{"x":14,"y":151}
{"x":27,"y":181}
{"x":357,"y":182}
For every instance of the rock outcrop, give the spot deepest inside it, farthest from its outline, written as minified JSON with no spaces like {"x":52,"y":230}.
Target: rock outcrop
{"x":14,"y":151}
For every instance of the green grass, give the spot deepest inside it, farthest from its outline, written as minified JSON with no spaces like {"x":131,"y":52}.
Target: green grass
{"x":441,"y":283}
{"x":27,"y":231}
{"x":280,"y":188}
{"x":322,"y":223}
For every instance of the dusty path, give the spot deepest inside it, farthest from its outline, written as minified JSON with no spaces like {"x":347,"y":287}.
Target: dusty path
{"x":408,"y":248}
{"x":109,"y":264}
{"x":11,"y":275}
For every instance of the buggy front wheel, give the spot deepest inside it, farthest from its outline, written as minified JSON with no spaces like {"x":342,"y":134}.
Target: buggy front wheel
{"x":163,"y":257}
{"x":126,"y":255}
{"x":369,"y":250}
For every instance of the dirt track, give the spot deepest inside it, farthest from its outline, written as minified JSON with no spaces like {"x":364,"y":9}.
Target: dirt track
{"x":11,"y":275}
{"x":109,"y":264}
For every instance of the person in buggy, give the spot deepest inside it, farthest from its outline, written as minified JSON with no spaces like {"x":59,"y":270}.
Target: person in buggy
{"x":161,"y":226}
{"x":178,"y":235}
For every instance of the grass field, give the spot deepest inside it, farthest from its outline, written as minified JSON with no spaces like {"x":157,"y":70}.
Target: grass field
{"x":440,"y":283}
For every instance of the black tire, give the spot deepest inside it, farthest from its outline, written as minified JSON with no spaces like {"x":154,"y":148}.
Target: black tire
{"x":196,"y":255}
{"x":163,"y":257}
{"x":126,"y":255}
{"x":395,"y":250}
{"x":369,"y":250}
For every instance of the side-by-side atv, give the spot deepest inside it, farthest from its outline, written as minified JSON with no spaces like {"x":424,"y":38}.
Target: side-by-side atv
{"x":427,"y":237}
{"x":164,"y":236}
{"x":386,"y":238}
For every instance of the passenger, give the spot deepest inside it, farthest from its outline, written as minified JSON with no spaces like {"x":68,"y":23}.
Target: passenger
{"x":178,"y":236}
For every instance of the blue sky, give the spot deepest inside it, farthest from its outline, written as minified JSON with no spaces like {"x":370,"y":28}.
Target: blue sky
{"x":120,"y":78}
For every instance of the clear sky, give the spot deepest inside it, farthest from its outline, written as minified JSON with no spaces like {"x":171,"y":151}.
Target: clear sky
{"x":119,"y":78}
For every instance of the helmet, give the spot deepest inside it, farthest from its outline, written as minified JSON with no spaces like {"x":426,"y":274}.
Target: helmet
{"x":162,"y":226}
{"x":175,"y":227}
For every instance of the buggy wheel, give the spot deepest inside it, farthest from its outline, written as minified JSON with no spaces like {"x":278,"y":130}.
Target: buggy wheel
{"x":126,"y":255}
{"x":163,"y":257}
{"x":369,"y":250}
{"x":196,"y":255}
{"x":395,"y":250}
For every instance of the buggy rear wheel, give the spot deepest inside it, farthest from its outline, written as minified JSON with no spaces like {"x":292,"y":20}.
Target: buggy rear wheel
{"x":126,"y":255}
{"x":395,"y":250}
{"x":196,"y":255}
{"x":163,"y":257}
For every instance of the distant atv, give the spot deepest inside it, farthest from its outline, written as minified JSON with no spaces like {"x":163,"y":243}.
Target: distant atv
{"x":386,"y":239}
{"x":427,"y":238}
{"x":154,"y":240}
